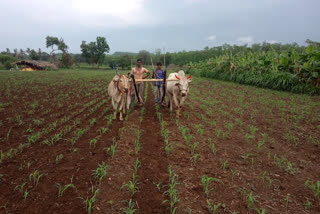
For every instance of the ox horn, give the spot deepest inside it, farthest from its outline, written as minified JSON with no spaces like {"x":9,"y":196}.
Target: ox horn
{"x":177,"y":77}
{"x":188,"y":77}
{"x":118,"y":72}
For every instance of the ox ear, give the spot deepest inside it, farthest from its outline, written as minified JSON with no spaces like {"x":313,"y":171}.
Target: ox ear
{"x":189,"y":80}
{"x":116,"y":78}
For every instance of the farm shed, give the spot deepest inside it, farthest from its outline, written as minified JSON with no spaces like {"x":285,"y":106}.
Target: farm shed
{"x":29,"y":65}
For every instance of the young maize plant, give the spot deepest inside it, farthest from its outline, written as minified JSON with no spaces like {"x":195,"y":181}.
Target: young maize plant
{"x":20,"y":187}
{"x":130,"y":207}
{"x":172,"y":192}
{"x":103,"y":130}
{"x":142,"y":113}
{"x":315,"y":187}
{"x":59,"y":158}
{"x":101,"y":172}
{"x":206,"y":181}
{"x":213,"y":208}
{"x":132,"y":185}
{"x":93,"y":143}
{"x":233,"y":173}
{"x":137,"y":165}
{"x":62,"y":189}
{"x":284,"y":163}
{"x":212,"y":146}
{"x":111,"y":150}
{"x":35,"y":177}
{"x":137,"y":140}
{"x":164,"y":132}
{"x":224,"y":164}
{"x":2,"y":156}
{"x":11,"y":153}
{"x":194,"y":158}
{"x":89,"y":202}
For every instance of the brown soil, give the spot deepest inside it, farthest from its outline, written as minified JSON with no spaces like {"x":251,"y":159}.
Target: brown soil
{"x":270,"y":112}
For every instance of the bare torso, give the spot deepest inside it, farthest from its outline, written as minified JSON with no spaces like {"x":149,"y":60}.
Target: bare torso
{"x":138,"y":73}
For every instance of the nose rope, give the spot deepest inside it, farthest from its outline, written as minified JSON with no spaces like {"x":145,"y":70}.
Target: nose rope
{"x":118,"y":85}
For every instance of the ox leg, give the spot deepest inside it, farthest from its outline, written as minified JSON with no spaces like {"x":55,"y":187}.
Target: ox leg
{"x":176,"y":102}
{"x":170,"y":101}
{"x":122,"y":107}
{"x":114,"y":104}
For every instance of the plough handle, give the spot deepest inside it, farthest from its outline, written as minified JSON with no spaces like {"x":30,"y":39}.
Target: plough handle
{"x":135,"y":88}
{"x":164,"y":85}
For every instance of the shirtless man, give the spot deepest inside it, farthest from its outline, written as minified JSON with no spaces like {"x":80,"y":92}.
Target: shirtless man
{"x":138,"y":74}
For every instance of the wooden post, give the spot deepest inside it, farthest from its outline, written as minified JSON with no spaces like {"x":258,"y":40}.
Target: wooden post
{"x":154,"y":71}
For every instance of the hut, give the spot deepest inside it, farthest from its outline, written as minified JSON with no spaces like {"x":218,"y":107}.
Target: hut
{"x":32,"y":65}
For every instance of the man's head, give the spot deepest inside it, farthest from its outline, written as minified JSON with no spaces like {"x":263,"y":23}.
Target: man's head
{"x":139,"y":62}
{"x":159,"y":65}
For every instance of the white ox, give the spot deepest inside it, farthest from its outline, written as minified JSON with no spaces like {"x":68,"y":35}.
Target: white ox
{"x":119,"y":91}
{"x":177,"y":91}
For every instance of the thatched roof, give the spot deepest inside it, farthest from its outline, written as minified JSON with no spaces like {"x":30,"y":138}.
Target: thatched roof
{"x":36,"y":64}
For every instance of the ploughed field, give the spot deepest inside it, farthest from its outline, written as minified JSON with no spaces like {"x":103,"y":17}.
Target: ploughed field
{"x":235,"y":149}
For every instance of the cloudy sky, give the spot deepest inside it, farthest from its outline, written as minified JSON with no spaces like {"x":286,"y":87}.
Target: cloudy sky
{"x":173,"y":25}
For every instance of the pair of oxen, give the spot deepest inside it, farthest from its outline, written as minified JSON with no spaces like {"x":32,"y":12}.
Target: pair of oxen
{"x":120,"y":91}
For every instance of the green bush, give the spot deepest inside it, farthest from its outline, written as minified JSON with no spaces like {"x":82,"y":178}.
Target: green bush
{"x":287,"y":71}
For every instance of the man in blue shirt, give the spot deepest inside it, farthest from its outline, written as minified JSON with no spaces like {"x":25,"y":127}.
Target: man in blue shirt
{"x":158,"y":74}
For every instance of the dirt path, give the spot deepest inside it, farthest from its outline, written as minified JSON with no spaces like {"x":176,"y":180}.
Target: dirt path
{"x":154,"y":164}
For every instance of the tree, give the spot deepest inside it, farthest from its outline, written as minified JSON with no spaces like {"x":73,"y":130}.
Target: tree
{"x":102,"y":48}
{"x":124,"y":61}
{"x":55,"y":44}
{"x":144,"y":56}
{"x":65,"y":61}
{"x":34,"y":55}
{"x":94,"y":52}
{"x":314,"y":43}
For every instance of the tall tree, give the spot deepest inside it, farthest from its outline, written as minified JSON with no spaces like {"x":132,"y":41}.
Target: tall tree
{"x":102,"y":48}
{"x":56,"y":44}
{"x":94,"y":52}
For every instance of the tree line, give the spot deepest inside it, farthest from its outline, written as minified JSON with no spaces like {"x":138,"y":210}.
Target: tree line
{"x":95,"y":52}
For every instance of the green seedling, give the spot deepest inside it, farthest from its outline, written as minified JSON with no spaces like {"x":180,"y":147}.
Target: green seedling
{"x":89,"y":202}
{"x":59,"y":158}
{"x":101,"y":172}
{"x":35,"y":177}
{"x":63,"y":188}
{"x":130,"y":207}
{"x":206,"y":182}
{"x":93,"y":143}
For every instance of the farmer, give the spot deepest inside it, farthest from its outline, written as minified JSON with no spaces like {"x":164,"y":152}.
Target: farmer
{"x":158,"y":74}
{"x":138,"y":74}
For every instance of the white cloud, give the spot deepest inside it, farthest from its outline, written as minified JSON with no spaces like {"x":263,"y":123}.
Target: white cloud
{"x":211,"y":38}
{"x":271,"y":41}
{"x":245,"y":39}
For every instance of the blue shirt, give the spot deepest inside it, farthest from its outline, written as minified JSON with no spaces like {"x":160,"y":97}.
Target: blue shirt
{"x":158,"y":75}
